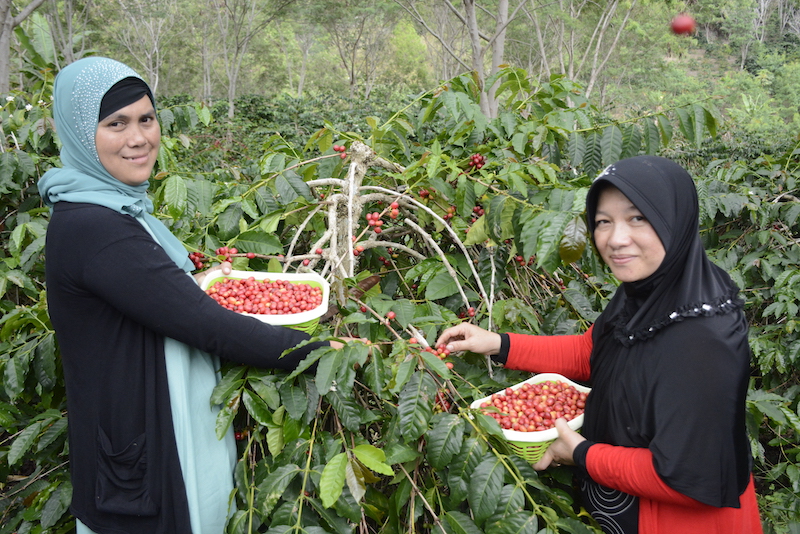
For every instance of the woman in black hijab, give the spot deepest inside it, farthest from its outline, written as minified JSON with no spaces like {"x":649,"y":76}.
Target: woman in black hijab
{"x":664,"y":447}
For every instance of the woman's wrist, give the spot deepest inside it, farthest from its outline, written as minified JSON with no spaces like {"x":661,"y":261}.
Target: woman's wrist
{"x":502,"y":354}
{"x":579,"y":454}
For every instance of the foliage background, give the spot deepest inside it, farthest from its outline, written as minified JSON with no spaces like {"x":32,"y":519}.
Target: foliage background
{"x":381,"y":439}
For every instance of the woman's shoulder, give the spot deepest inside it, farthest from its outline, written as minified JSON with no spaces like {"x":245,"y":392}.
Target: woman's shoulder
{"x":720,"y":325}
{"x":90,"y":225}
{"x":92,"y":218}
{"x":711,"y":338}
{"x":83,"y":209}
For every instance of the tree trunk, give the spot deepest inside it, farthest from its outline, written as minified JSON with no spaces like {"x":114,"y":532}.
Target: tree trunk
{"x":9,"y":22}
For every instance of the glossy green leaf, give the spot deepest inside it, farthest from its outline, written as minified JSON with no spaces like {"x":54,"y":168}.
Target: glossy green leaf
{"x":374,"y":458}
{"x":258,"y":242}
{"x":484,"y":488}
{"x":332,"y":481}
{"x":57,"y":504}
{"x":257,"y":408}
{"x":456,"y":522}
{"x":273,"y":486}
{"x":327,"y":370}
{"x":441,"y":286}
{"x":611,"y":144}
{"x":175,"y":194}
{"x":23,"y":442}
{"x":346,"y":409}
{"x":295,"y":399}
{"x":436,"y":365}
{"x":444,"y":438}
{"x":415,"y":405}
{"x":230,"y":382}
{"x":516,"y":523}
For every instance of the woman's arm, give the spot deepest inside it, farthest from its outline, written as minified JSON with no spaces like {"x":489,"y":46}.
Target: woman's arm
{"x":135,"y":275}
{"x":631,"y":470}
{"x":566,"y":355}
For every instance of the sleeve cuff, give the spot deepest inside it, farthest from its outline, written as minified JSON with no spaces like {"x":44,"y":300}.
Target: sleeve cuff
{"x":505,"y":344}
{"x":579,"y":456}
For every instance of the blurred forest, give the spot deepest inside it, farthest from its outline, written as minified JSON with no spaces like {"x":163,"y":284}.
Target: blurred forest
{"x":743,"y":59}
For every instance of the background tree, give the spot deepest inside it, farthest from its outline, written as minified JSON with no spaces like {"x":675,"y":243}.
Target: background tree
{"x":359,"y":31}
{"x":10,"y":17}
{"x":238,"y":22}
{"x":145,"y":31}
{"x":485,"y":30}
{"x":69,"y":23}
{"x":578,"y":37}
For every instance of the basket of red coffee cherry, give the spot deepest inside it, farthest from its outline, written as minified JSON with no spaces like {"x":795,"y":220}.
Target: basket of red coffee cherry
{"x":527,"y":411}
{"x":296,"y":300}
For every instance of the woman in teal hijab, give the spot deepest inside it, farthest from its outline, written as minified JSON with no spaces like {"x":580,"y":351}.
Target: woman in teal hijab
{"x":140,"y":342}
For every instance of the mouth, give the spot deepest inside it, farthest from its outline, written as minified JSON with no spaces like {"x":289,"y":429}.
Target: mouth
{"x":622,"y":259}
{"x":143,"y":158}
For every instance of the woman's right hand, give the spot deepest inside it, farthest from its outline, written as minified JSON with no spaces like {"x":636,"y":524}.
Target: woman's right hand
{"x":468,"y":337}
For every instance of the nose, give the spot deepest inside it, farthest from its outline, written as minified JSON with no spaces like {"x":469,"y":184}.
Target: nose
{"x":136,"y":135}
{"x":619,"y":236}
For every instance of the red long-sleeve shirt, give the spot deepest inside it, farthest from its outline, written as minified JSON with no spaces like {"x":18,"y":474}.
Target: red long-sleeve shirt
{"x":662,"y":510}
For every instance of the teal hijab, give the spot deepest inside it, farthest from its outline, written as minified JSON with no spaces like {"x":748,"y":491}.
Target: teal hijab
{"x":79,"y":89}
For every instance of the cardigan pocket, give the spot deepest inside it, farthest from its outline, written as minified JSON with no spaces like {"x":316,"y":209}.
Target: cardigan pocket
{"x":121,"y":486}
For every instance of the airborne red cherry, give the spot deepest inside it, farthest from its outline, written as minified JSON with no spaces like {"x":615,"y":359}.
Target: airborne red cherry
{"x":683,"y":24}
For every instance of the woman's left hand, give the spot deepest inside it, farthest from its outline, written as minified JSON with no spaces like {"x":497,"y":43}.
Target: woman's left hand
{"x":225,"y":267}
{"x":560,"y":451}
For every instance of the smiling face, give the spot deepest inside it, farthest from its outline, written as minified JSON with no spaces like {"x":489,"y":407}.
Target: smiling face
{"x":625,"y":239}
{"x":127,"y":142}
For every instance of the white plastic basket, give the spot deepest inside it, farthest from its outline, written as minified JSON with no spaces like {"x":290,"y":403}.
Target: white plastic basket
{"x":306,"y":320}
{"x":531,"y":445}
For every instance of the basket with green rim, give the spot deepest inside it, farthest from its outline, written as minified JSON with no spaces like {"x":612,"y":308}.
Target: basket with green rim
{"x":531,"y":446}
{"x":306,"y":321}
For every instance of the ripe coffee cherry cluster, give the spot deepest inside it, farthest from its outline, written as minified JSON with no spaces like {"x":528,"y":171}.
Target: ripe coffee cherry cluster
{"x":470,"y":312}
{"x":341,"y":149}
{"x":477,"y":211}
{"x":522,"y":262}
{"x":441,"y":352}
{"x":374,"y":220}
{"x":394,"y":211}
{"x":424,"y":193}
{"x":384,"y":261}
{"x":535,"y":407}
{"x":267,"y":297}
{"x":477,"y":160}
{"x":198,"y":258}
{"x":451,"y":211}
{"x":226,"y":252}
{"x":442,"y":401}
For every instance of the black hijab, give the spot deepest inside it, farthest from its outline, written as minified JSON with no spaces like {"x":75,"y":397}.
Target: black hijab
{"x":670,"y":360}
{"x":124,"y":93}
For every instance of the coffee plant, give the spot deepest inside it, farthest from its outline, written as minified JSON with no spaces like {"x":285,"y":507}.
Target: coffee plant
{"x":421,"y":219}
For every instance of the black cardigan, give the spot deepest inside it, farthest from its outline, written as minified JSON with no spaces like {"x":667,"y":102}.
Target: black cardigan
{"x":113,"y":295}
